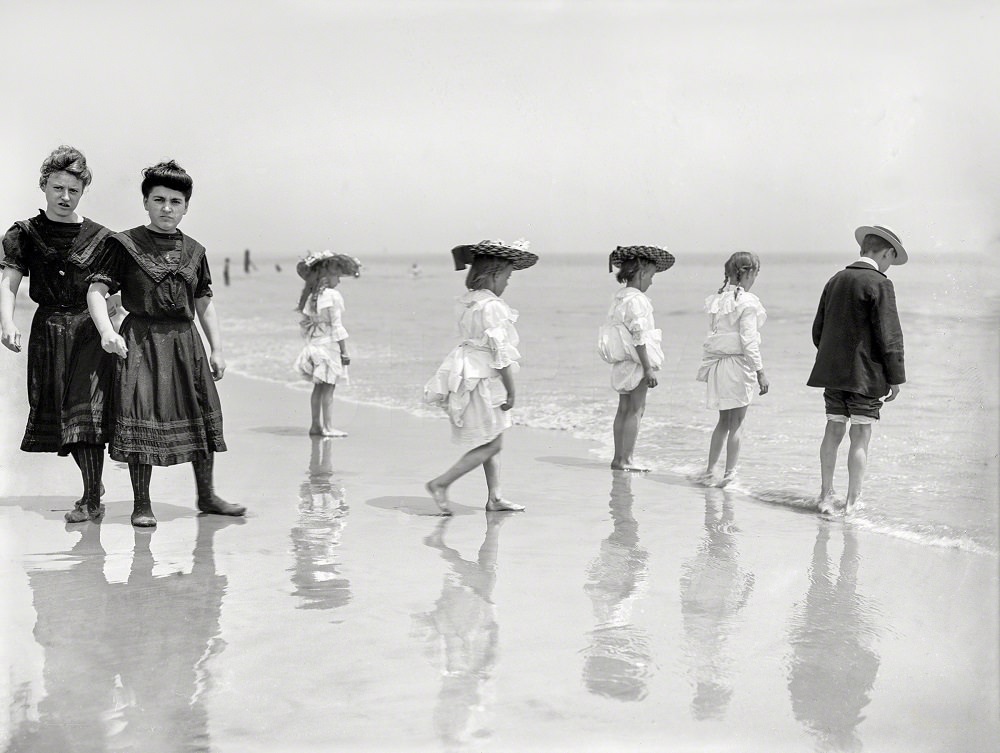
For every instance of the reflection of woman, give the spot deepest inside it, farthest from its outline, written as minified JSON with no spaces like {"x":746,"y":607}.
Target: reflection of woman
{"x":714,"y":589}
{"x":465,"y":625}
{"x":72,"y":629}
{"x":322,"y":517}
{"x":833,"y":666}
{"x":617,"y":660}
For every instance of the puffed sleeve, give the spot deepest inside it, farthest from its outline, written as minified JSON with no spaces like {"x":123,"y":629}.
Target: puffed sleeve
{"x":498,"y":320}
{"x":750,"y":336}
{"x":13,"y":251}
{"x":638,"y":318}
{"x":203,"y":287}
{"x":106,"y":266}
{"x":330,"y":304}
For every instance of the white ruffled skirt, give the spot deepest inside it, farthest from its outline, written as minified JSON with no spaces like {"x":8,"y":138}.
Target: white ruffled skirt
{"x":471,"y":392}
{"x":320,"y":364}
{"x":730,"y":376}
{"x":614,"y":343}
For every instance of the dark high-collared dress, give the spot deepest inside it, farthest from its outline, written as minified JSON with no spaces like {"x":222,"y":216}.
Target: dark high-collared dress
{"x":165,"y":406}
{"x":69,"y":374}
{"x":859,"y":343}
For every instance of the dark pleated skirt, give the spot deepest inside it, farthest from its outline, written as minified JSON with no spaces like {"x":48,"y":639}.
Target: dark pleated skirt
{"x":69,"y":380}
{"x":166,"y":408}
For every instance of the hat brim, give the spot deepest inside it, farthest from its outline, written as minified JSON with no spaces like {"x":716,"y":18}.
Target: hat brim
{"x":901,"y":255}
{"x":521,"y":259}
{"x":347,"y":266}
{"x":662,"y":258}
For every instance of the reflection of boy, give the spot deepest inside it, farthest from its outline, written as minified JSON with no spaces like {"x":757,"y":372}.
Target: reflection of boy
{"x":859,"y":357}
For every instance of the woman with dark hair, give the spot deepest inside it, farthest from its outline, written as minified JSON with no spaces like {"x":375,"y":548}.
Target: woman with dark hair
{"x":68,"y":373}
{"x":166,"y":408}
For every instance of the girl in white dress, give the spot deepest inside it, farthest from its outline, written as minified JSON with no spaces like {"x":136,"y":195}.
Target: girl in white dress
{"x":324,"y":358}
{"x":630,"y":342}
{"x":731,"y":364}
{"x":475,"y":383}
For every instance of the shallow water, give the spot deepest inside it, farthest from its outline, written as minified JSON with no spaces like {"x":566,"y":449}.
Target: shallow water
{"x":933,"y":461}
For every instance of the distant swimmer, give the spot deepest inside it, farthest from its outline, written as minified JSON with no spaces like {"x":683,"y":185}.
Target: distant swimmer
{"x":415,"y":271}
{"x":247,"y":263}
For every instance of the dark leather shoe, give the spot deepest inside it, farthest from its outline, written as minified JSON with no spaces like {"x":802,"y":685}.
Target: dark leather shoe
{"x":142,"y":515}
{"x":218,"y":506}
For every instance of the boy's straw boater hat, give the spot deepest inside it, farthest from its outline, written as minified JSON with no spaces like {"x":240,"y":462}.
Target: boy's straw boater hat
{"x":517,"y":253}
{"x":348,"y":266}
{"x":886,"y":234}
{"x":662,"y":258}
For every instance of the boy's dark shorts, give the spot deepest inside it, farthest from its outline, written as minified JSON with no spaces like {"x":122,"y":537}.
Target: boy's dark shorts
{"x":843,"y":406}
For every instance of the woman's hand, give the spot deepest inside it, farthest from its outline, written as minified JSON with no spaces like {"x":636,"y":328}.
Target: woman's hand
{"x":762,"y":382}
{"x":12,"y":338}
{"x":650,"y":376}
{"x":112,"y":342}
{"x":218,"y":363}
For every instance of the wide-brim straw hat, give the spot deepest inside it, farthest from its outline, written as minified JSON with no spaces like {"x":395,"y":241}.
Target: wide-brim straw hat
{"x":662,"y":258}
{"x":517,"y":253}
{"x":887,"y":234}
{"x":347,"y":266}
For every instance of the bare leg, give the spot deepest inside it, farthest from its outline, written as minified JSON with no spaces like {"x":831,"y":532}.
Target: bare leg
{"x":495,"y":501}
{"x":719,"y":435}
{"x":315,"y":404}
{"x":832,"y":438}
{"x":857,"y":463}
{"x":438,"y":487}
{"x":630,"y":409}
{"x":735,"y":417}
{"x":326,"y":401}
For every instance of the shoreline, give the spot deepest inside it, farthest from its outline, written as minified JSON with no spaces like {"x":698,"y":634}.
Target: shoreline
{"x":619,"y":612}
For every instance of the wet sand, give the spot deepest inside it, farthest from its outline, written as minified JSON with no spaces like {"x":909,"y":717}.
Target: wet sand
{"x":618,"y":613}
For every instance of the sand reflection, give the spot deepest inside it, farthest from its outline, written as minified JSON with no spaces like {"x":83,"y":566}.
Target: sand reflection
{"x":714,"y":589}
{"x":833,"y":664}
{"x":463,"y":634}
{"x":617,"y":661}
{"x":126,"y":664}
{"x":322,"y":518}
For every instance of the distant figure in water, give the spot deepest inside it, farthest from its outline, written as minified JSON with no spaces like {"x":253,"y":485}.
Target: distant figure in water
{"x":731,"y":366}
{"x":416,"y":271}
{"x":630,"y":342}
{"x":324,"y":358}
{"x":247,"y":264}
{"x":225,"y":271}
{"x":277,"y":267}
{"x":859,"y":357}
{"x":475,"y":383}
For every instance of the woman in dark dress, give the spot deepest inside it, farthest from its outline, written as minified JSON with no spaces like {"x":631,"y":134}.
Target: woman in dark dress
{"x":165,"y":407}
{"x":69,"y":374}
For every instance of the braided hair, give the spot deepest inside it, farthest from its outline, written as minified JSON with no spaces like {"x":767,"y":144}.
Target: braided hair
{"x":737,"y":267}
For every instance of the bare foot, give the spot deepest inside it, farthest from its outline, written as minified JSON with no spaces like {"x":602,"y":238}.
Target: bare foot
{"x":628,"y":468}
{"x":827,"y":504}
{"x":728,"y":478}
{"x":502,"y":505}
{"x":852,"y":506}
{"x":333,"y":433}
{"x":315,"y":431}
{"x":705,"y":478}
{"x":440,"y":496}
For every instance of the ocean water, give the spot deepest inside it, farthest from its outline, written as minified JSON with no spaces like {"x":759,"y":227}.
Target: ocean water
{"x":932,"y":474}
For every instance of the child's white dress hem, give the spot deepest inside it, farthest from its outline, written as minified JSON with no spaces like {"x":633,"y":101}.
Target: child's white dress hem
{"x":731,"y":351}
{"x":319,"y":360}
{"x":467,"y":384}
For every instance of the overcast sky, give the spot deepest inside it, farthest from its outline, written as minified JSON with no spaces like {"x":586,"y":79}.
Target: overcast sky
{"x":410,"y":126}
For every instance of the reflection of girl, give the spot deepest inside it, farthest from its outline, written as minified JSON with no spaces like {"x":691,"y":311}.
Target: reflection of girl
{"x":69,"y":375}
{"x":324,"y":358}
{"x":464,"y":620}
{"x":617,"y":660}
{"x":714,"y":589}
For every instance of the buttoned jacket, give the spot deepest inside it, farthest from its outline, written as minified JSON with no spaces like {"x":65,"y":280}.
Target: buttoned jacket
{"x":857,"y":334}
